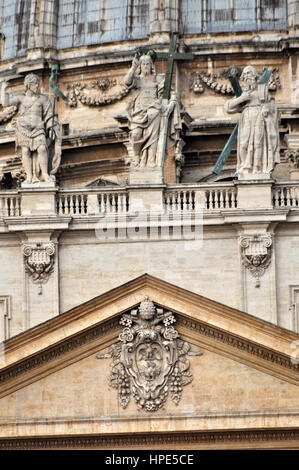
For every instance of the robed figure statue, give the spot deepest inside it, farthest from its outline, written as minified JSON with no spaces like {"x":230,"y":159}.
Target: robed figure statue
{"x":258,"y":132}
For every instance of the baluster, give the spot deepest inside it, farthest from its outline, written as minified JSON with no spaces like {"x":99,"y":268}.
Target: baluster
{"x":216,"y":199}
{"x":184,"y":201}
{"x":292,"y":203}
{"x":221,"y":199}
{"x":113,"y":203}
{"x":13,"y":206}
{"x":120,"y":208}
{"x":288,"y":198}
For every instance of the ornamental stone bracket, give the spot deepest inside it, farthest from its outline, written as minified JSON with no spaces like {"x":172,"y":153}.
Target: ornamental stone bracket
{"x":256,"y":254}
{"x":39,"y":262}
{"x":150,"y":360}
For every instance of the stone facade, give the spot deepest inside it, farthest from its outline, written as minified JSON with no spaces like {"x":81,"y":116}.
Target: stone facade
{"x":231,"y":243}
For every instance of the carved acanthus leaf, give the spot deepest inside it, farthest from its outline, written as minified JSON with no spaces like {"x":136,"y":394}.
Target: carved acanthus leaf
{"x":150,"y":360}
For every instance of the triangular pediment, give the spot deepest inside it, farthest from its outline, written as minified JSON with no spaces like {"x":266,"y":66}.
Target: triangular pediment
{"x":237,"y":366}
{"x":230,"y":331}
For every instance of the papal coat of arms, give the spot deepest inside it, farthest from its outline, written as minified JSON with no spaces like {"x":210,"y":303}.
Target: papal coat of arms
{"x":150,"y":360}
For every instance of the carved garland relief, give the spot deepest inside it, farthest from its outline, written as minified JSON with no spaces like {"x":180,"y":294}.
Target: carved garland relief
{"x":150,"y":360}
{"x":99,"y":93}
{"x":219,"y":83}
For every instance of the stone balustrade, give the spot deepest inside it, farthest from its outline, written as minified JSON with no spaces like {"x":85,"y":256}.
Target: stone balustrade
{"x":90,"y":202}
{"x":10,"y":204}
{"x":184,"y":197}
{"x":286,"y":195}
{"x":202,"y":196}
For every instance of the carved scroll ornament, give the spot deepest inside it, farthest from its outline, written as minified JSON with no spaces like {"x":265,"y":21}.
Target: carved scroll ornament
{"x":150,"y":361}
{"x":39,"y":262}
{"x":256,"y":252}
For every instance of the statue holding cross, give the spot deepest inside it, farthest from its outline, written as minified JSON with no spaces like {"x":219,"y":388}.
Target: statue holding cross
{"x":154,"y":111}
{"x":258,"y":133}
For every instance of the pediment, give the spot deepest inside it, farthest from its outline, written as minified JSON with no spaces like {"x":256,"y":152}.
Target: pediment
{"x":234,"y":369}
{"x":205,"y":322}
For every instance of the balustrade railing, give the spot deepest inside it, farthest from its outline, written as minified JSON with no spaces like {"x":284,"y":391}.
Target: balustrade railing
{"x":86,"y":202}
{"x":286,"y":195}
{"x":187,"y":197}
{"x":206,"y":196}
{"x":10,"y":205}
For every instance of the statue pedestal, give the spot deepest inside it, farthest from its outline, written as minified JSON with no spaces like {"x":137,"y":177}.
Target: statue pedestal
{"x":255,"y":194}
{"x":146,"y":175}
{"x":39,"y":184}
{"x":38,"y":198}
{"x":150,"y":200}
{"x":254,"y":176}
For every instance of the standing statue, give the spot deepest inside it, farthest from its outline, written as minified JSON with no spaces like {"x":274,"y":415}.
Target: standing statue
{"x":258,"y":132}
{"x":32,"y":128}
{"x":144,"y":112}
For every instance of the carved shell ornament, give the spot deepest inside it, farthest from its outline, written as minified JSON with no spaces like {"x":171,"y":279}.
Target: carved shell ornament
{"x":150,"y":360}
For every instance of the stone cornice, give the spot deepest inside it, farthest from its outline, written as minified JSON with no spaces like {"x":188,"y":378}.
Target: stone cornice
{"x":246,"y":439}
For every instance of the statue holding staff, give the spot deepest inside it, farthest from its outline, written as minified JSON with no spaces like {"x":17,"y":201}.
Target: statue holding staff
{"x":32,"y":127}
